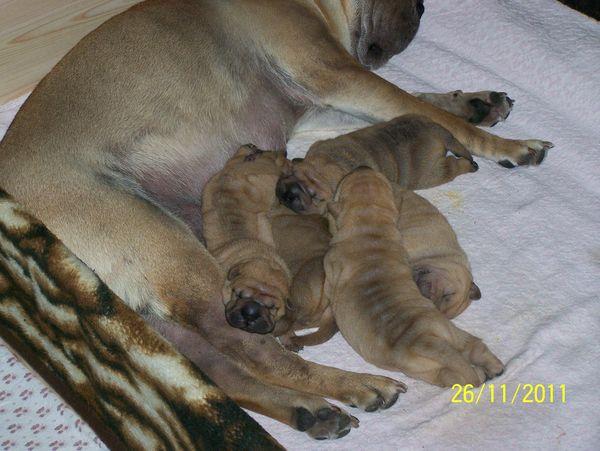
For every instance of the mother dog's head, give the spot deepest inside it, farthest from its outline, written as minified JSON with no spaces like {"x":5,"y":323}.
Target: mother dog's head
{"x":380,"y":29}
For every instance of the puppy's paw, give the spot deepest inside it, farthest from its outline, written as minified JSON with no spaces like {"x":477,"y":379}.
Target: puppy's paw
{"x":326,"y":423}
{"x":373,"y":393}
{"x":530,"y":152}
{"x":487,"y":108}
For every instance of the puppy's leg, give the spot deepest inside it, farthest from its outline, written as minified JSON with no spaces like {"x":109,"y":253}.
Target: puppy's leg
{"x":439,"y":363}
{"x":485,"y":108}
{"x":302,"y":411}
{"x":327,"y":329}
{"x":476,"y":352}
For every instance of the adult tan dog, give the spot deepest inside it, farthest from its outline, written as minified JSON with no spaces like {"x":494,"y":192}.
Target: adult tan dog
{"x":376,"y":304}
{"x":112,"y":149}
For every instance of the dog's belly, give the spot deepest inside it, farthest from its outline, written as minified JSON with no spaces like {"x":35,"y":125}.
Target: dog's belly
{"x":173,"y":170}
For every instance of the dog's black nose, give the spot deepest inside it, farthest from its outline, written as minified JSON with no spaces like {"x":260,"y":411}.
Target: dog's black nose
{"x":375,"y":51}
{"x":291,"y":194}
{"x":420,"y":8}
{"x":251,"y":311}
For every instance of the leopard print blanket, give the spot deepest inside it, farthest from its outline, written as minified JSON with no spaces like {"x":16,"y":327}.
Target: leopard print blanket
{"x":129,"y":384}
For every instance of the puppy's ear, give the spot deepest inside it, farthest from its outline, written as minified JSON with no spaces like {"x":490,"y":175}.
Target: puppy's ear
{"x":474,"y":292}
{"x":429,"y":282}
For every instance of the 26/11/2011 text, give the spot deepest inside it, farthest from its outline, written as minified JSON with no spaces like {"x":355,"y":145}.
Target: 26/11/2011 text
{"x":503,"y":394}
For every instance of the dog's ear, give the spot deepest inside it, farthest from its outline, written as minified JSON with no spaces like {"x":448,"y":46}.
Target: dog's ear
{"x":474,"y":292}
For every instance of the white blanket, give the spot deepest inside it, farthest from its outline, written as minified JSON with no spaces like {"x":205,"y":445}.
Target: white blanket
{"x":532,"y":234}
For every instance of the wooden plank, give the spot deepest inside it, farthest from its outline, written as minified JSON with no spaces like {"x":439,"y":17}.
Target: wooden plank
{"x":35,"y":34}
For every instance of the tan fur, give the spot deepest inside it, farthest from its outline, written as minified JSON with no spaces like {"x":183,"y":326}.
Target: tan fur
{"x":378,"y":307}
{"x":302,"y":241}
{"x":438,"y":263}
{"x":440,"y":266}
{"x":409,"y":150}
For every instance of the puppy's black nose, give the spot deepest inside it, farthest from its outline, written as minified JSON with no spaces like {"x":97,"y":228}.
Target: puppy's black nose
{"x":251,"y":311}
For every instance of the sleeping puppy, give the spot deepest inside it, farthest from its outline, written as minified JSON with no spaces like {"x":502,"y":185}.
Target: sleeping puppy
{"x":409,"y":150}
{"x":440,"y":267}
{"x":302,"y":242}
{"x":377,"y":305}
{"x":235,"y":206}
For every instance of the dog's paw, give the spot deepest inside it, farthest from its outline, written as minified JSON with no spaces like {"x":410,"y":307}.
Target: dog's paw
{"x":326,"y":423}
{"x":373,"y":393}
{"x":530,"y":152}
{"x":487,"y":108}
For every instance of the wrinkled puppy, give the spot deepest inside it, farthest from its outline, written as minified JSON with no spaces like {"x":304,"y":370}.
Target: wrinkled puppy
{"x":377,"y":305}
{"x":235,"y":206}
{"x":409,"y":150}
{"x":440,"y":267}
{"x":302,"y":241}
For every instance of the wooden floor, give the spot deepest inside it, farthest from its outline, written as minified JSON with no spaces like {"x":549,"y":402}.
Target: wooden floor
{"x":35,"y":34}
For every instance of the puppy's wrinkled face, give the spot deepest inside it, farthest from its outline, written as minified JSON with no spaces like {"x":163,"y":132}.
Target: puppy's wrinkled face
{"x":303,"y":189}
{"x":383,"y":28}
{"x":451,"y":290}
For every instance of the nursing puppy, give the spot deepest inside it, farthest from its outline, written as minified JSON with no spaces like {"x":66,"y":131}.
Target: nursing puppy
{"x":378,"y":307}
{"x":440,"y":266}
{"x":235,"y":208}
{"x":302,"y":242}
{"x":410,"y":151}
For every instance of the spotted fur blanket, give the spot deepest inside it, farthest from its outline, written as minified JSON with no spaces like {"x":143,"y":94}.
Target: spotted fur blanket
{"x":130,"y":385}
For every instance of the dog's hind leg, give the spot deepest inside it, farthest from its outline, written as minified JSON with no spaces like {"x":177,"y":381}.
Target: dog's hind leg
{"x":302,"y":411}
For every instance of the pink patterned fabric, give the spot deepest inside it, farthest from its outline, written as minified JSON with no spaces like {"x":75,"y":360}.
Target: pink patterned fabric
{"x":33,"y":417}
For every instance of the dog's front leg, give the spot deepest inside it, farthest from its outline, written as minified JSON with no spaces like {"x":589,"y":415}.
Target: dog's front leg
{"x":264,"y":358}
{"x":334,"y":79}
{"x":302,"y":411}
